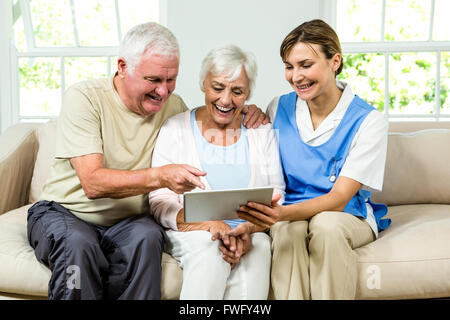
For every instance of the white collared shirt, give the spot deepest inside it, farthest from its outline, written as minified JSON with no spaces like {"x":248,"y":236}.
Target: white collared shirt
{"x":367,"y":155}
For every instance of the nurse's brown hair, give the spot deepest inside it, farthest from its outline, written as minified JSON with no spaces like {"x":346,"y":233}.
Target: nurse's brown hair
{"x":317,"y":32}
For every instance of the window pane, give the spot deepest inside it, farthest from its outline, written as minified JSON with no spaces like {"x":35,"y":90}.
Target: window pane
{"x":445,"y":82}
{"x":365,"y":74}
{"x":133,"y":12}
{"x":39,"y":120}
{"x":441,"y":29}
{"x":407,"y":20}
{"x":96,"y":22}
{"x":19,"y":35}
{"x":359,"y":20}
{"x":113,"y":65}
{"x":412,"y":82}
{"x":52,"y":23}
{"x":40,"y":93}
{"x":79,"y":69}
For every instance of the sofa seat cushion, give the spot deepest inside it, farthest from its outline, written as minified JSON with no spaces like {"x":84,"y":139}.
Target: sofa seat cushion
{"x":21,"y":273}
{"x":411,"y":259}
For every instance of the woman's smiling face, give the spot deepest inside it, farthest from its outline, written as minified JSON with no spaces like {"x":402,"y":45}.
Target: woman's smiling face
{"x":308,"y":71}
{"x":224,"y":98}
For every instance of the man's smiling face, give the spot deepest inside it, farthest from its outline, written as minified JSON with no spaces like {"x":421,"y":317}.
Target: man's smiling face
{"x":151,"y":83}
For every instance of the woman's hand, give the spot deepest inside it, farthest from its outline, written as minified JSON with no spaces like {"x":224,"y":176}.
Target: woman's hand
{"x":261,"y":215}
{"x":243,"y":243}
{"x":218,"y":230}
{"x":254,"y":117}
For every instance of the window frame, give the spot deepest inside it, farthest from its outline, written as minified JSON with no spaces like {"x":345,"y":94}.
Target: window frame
{"x":388,"y":47}
{"x":9,"y":80}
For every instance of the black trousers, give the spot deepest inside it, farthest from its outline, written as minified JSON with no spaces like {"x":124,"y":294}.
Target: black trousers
{"x":95,"y":262}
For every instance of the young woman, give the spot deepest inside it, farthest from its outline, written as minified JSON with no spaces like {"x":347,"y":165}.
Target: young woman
{"x":333,"y":150}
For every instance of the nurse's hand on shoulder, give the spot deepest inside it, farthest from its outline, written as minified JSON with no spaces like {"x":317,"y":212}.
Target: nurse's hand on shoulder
{"x":260,"y":214}
{"x":254,"y":117}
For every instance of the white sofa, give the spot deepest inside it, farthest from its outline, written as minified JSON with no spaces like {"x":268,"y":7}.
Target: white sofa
{"x":411,"y":259}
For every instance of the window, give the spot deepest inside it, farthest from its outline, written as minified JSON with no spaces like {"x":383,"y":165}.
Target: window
{"x":397,"y":55}
{"x":60,"y":42}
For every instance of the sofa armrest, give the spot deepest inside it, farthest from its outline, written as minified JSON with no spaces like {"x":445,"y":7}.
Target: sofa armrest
{"x":18,"y":150}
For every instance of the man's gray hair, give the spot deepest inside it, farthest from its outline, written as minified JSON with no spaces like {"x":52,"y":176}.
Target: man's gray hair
{"x":229,"y":60}
{"x":146,"y":38}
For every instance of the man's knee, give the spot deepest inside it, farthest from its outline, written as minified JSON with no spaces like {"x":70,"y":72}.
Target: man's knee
{"x":143,"y":234}
{"x":80,"y":242}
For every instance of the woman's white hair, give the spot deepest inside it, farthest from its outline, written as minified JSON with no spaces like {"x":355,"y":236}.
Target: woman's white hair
{"x":146,"y":38}
{"x":229,"y":60}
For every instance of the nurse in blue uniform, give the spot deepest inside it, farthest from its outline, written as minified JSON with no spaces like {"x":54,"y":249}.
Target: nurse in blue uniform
{"x":333,"y":149}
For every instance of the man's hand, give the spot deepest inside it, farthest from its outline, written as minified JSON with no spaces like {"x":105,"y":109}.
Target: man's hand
{"x":180,"y":178}
{"x":254,"y":116}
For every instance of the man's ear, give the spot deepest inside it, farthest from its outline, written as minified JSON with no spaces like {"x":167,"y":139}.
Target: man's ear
{"x":122,"y":68}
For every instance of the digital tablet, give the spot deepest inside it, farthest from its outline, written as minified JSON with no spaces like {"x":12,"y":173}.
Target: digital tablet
{"x":222,"y":204}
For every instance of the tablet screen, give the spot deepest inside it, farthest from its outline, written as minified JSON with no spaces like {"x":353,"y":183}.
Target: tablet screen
{"x":222,"y":204}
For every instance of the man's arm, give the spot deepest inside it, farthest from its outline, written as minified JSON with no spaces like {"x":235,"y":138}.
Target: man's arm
{"x":100,"y":182}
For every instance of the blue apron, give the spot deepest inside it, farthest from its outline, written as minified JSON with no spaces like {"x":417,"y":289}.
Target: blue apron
{"x":310,"y":171}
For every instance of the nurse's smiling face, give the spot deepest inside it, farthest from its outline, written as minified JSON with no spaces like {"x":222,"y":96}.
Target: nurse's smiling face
{"x":309,"y":72}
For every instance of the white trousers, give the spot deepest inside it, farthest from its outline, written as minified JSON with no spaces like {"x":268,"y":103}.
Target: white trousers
{"x":206,"y":275}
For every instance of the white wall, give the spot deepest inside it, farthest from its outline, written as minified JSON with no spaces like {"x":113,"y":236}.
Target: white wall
{"x":258,"y":26}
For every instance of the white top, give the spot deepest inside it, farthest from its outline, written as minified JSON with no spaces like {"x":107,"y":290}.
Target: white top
{"x":366,"y":160}
{"x":176,"y":145}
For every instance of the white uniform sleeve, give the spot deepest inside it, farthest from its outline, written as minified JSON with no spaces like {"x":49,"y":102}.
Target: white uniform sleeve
{"x":271,"y":110}
{"x":273,"y":153}
{"x":164,"y":203}
{"x":275,"y":171}
{"x":367,"y":156}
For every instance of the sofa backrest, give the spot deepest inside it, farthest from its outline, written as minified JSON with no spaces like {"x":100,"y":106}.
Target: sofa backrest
{"x":417,"y":165}
{"x":46,"y":135}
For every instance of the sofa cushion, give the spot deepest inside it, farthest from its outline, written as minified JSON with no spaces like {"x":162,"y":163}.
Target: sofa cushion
{"x":411,"y":259}
{"x":22,"y":273}
{"x":417,"y":168}
{"x":17,"y":156}
{"x":46,"y":136}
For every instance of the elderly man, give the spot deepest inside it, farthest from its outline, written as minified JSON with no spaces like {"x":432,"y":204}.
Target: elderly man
{"x":91,"y":226}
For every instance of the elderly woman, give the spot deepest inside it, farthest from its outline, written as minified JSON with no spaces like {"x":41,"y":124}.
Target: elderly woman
{"x":217,"y":264}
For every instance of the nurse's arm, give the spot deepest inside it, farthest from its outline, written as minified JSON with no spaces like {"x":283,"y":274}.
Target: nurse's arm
{"x":343,"y":190}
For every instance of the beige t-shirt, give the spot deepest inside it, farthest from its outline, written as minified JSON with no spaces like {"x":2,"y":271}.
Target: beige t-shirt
{"x":94,"y":119}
